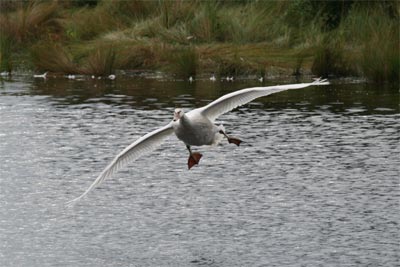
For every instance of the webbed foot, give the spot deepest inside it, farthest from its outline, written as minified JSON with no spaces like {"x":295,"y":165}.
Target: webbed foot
{"x":194,"y":158}
{"x":231,"y":140}
{"x":234,"y":141}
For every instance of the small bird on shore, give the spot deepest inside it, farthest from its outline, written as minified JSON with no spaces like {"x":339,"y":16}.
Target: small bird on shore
{"x":191,"y":79}
{"x":43,"y":76}
{"x":194,"y":128}
{"x":212,"y":78}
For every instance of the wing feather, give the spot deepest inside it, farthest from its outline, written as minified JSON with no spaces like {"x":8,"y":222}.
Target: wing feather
{"x":146,"y":143}
{"x":238,"y":98}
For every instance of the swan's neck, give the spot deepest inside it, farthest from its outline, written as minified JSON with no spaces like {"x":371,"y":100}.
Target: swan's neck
{"x":184,"y":120}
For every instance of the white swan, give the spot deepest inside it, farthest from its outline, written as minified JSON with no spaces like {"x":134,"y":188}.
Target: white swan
{"x":194,"y":128}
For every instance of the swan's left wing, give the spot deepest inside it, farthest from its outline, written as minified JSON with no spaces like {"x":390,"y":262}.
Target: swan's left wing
{"x":144,"y":144}
{"x":230,"y":101}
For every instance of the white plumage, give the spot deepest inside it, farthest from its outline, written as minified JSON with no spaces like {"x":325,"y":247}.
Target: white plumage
{"x":194,"y":128}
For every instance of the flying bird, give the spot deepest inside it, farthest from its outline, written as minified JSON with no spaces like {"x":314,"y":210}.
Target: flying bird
{"x":193,"y":128}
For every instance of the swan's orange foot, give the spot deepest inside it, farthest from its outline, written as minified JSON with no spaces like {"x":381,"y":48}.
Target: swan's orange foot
{"x":194,"y":158}
{"x":234,"y":141}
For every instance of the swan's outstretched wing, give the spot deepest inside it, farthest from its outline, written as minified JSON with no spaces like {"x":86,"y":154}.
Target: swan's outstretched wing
{"x":230,"y":101}
{"x":144,"y":144}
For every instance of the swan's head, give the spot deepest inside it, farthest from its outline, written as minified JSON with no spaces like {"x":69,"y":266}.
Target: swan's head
{"x":178,"y":113}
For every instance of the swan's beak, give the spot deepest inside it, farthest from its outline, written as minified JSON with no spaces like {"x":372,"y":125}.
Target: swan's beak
{"x":177,"y":116}
{"x":178,"y":113}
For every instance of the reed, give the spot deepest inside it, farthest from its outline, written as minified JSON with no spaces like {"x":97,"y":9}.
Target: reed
{"x":330,"y":59}
{"x":380,"y":52}
{"x":373,"y":31}
{"x":172,"y":13}
{"x":225,"y":37}
{"x":5,"y":52}
{"x":380,"y":60}
{"x":88,"y":23}
{"x":31,"y":21}
{"x":139,"y":56}
{"x":101,"y":62}
{"x":176,"y":35}
{"x":128,"y":11}
{"x":251,"y":23}
{"x":47,"y":56}
{"x":205,"y":24}
{"x":182,"y":61}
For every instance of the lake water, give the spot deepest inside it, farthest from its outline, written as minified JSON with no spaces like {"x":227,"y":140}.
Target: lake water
{"x":315,"y":183}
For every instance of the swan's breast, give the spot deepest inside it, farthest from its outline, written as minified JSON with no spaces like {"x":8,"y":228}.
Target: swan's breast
{"x":195,"y":130}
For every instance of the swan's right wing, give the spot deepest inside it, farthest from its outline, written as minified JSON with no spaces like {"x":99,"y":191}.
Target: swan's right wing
{"x":144,"y":144}
{"x":230,"y":101}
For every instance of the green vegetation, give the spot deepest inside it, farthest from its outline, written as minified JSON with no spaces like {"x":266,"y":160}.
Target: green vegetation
{"x":341,"y":38}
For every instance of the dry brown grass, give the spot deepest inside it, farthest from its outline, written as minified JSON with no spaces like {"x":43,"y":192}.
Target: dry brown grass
{"x":186,"y":37}
{"x":32,"y":21}
{"x":53,"y":57}
{"x":100,"y":62}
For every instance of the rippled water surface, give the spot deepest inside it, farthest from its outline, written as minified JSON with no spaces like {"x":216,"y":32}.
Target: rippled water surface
{"x":316,"y":182}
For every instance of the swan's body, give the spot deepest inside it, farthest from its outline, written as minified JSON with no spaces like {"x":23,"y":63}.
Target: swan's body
{"x":194,"y":128}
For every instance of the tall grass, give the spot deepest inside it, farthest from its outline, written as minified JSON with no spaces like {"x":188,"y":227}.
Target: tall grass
{"x":88,"y":23}
{"x":330,"y":59}
{"x":5,"y":52}
{"x":139,"y":56}
{"x":251,"y":23}
{"x":47,"y":56}
{"x":380,"y":60}
{"x":101,"y":62}
{"x":174,"y":12}
{"x":128,"y":11}
{"x":32,"y":21}
{"x":183,"y":61}
{"x":225,"y":37}
{"x":205,"y":24}
{"x":380,"y":53}
{"x":375,"y":33}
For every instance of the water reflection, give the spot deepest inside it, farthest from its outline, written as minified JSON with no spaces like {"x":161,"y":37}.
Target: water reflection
{"x":149,"y":94}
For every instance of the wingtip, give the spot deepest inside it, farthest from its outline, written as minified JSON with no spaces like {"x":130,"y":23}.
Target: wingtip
{"x":72,"y":202}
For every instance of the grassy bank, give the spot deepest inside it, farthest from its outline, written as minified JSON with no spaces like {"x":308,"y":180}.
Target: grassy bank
{"x":186,"y":38}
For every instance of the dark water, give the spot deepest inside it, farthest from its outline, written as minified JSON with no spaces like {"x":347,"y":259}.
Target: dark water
{"x":316,"y":182}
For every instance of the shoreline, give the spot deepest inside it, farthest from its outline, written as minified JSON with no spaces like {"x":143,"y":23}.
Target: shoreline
{"x":188,"y":38}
